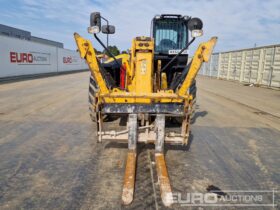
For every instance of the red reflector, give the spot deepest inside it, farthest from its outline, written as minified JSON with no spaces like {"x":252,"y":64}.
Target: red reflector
{"x":122,"y":77}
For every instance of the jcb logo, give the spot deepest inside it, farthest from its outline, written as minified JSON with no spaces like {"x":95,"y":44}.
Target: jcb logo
{"x":21,"y":57}
{"x":143,"y":66}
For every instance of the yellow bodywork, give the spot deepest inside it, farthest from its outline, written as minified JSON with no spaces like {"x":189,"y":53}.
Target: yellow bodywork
{"x":146,"y":100}
{"x":139,"y":87}
{"x":201,"y":55}
{"x":121,"y":56}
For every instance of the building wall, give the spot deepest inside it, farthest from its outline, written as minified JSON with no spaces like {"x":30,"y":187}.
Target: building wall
{"x":259,"y":66}
{"x":69,"y":60}
{"x":46,"y":41}
{"x":14,"y":32}
{"x":21,"y":57}
{"x":22,"y":34}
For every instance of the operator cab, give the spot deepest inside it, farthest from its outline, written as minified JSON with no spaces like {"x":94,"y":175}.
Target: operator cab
{"x":171,"y":35}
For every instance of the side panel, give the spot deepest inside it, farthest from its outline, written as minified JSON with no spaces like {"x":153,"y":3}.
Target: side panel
{"x":271,"y":67}
{"x":251,"y":66}
{"x":235,"y":65}
{"x":275,"y":75}
{"x":224,"y":64}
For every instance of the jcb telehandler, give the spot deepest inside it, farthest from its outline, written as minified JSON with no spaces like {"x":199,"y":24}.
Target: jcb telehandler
{"x":150,"y":88}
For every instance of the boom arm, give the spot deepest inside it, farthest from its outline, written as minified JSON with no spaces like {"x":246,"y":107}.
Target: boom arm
{"x":87,"y":52}
{"x":201,"y":55}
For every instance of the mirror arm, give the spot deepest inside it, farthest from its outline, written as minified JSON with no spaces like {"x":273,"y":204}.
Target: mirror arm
{"x":108,"y":51}
{"x":107,"y":29}
{"x":165,"y":67}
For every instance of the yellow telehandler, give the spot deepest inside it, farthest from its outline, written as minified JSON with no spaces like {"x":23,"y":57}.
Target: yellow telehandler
{"x":150,"y":89}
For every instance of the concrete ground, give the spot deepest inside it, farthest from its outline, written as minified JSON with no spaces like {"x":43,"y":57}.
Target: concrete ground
{"x":262,"y":99}
{"x":49,"y":158}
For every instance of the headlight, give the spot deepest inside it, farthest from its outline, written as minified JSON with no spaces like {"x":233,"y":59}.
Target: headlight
{"x":197,"y":33}
{"x":93,"y":30}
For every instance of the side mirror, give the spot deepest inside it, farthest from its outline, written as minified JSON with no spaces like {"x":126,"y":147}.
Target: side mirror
{"x":195,"y":25}
{"x":108,"y":29}
{"x":95,"y":23}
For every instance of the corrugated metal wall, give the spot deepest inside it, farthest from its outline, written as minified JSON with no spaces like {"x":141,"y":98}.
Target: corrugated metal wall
{"x":260,"y":66}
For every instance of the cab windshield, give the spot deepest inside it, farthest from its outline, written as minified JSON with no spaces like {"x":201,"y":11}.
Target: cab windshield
{"x":169,"y":34}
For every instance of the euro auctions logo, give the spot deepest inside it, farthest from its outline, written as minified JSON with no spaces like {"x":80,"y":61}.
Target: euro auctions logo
{"x":67,"y":59}
{"x":29,"y":58}
{"x":70,"y":60}
{"x":21,"y":57}
{"x":226,"y":198}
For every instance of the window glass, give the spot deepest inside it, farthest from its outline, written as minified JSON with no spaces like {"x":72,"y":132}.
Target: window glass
{"x":169,"y":34}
